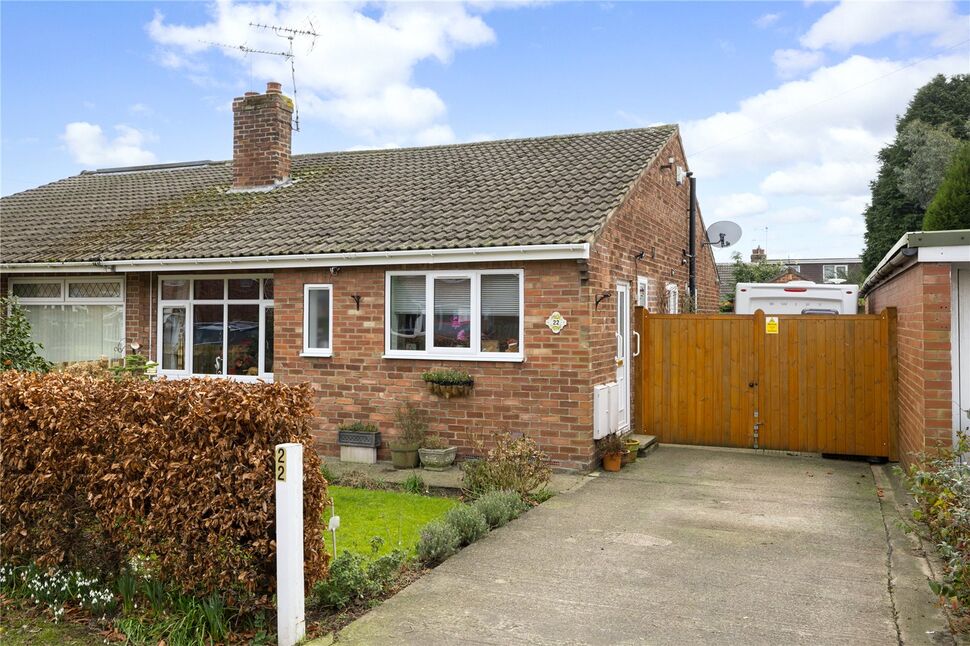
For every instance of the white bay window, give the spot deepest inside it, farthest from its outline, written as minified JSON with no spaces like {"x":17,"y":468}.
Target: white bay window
{"x":471,"y":315}
{"x":75,"y":319}
{"x":216,"y":326}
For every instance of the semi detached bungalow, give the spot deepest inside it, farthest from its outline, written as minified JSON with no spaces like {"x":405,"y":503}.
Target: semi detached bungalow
{"x":518,"y":261}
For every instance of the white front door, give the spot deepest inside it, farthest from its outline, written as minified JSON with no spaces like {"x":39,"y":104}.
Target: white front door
{"x":623,"y":355}
{"x":961,"y":357}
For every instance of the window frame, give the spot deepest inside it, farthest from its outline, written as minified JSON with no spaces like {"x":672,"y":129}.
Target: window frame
{"x":673,"y":298}
{"x":65,"y":298}
{"x":189,"y":303}
{"x":835,"y":272}
{"x":307,"y":350}
{"x":474,"y":351}
{"x":120,"y":301}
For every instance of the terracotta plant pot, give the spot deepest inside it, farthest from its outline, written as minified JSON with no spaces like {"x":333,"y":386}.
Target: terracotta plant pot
{"x":612,"y":461}
{"x":632,"y":446}
{"x":404,"y":456}
{"x":438,"y":459}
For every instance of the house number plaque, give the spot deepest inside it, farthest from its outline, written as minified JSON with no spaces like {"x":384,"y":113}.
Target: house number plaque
{"x":556,"y":322}
{"x":280,"y":464}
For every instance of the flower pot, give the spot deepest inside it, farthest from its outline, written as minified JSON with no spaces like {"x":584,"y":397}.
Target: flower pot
{"x":612,"y":461}
{"x":632,"y":446}
{"x":438,"y":459}
{"x":404,"y":456}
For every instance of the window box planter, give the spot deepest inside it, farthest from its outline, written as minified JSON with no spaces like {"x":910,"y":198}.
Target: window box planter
{"x":358,"y":443}
{"x":365,"y":439}
{"x":448,"y":383}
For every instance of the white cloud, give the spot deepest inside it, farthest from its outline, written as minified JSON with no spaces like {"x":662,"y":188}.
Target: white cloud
{"x":792,"y":62}
{"x":737,"y":204}
{"x":829,"y":179}
{"x":766,"y":20}
{"x":359,"y":72}
{"x":845,"y":226}
{"x":843,"y":112}
{"x":141,"y":108}
{"x":862,"y":23}
{"x":89,"y":146}
{"x":793,"y":215}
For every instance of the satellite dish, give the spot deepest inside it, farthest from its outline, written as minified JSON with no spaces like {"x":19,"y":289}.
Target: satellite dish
{"x":723,"y":234}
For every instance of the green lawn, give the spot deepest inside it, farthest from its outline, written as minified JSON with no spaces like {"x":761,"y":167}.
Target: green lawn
{"x":396,"y":517}
{"x":18,"y":628}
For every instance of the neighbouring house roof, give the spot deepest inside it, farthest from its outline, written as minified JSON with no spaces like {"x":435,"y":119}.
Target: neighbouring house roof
{"x":725,"y":277}
{"x":540,"y":191}
{"x":788,"y":274}
{"x":919,"y":246}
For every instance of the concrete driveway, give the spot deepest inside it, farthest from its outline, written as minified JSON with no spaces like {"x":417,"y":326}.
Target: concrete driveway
{"x":688,"y":546}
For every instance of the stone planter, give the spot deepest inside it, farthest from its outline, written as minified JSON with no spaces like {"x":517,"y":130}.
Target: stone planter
{"x":449,"y":390}
{"x":438,"y":459}
{"x":358,"y":446}
{"x":404,"y":456}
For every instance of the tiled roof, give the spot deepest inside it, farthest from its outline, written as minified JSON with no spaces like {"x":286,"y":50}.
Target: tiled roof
{"x":548,"y":190}
{"x":725,"y":275}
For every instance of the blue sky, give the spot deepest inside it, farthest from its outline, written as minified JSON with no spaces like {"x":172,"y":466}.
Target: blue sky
{"x":782,"y":105}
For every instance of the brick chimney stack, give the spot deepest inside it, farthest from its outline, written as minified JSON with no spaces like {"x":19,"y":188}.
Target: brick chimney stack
{"x":758,"y":254}
{"x":261,"y":137}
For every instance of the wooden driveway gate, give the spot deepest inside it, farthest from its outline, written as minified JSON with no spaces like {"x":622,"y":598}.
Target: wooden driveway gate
{"x":818,"y":384}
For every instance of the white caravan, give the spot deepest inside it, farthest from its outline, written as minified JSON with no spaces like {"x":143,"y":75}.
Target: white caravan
{"x":796,"y":297}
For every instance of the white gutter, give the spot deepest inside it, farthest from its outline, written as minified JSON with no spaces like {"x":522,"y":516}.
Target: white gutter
{"x":867,"y":284}
{"x":517,"y":253}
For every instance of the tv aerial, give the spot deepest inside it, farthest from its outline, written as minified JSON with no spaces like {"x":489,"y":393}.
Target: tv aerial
{"x":723,"y":234}
{"x":289,"y":34}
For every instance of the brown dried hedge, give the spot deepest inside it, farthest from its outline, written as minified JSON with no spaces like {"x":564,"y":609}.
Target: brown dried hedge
{"x":96,"y":471}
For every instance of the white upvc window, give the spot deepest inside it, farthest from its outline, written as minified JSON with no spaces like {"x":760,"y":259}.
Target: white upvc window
{"x":317,"y":321}
{"x":835,"y":273}
{"x":673,"y":299}
{"x":646,"y":293}
{"x":74,"y":318}
{"x":216,"y":325}
{"x":472,"y":315}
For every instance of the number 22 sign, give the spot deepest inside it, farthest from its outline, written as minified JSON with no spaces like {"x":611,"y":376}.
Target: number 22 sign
{"x":280,"y":464}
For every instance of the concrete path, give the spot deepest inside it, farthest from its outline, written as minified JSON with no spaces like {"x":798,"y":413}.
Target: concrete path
{"x":688,"y":546}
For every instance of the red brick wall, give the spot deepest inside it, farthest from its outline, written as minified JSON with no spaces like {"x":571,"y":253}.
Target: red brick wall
{"x":921,"y":295}
{"x":548,"y":397}
{"x":654,"y":219}
{"x":261,"y":138}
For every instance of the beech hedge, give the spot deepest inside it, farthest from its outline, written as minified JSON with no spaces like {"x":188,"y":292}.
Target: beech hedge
{"x":98,"y":472}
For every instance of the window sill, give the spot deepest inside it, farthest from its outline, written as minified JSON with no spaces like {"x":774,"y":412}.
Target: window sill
{"x":250,"y":379}
{"x":509,"y":358}
{"x":317,"y":354}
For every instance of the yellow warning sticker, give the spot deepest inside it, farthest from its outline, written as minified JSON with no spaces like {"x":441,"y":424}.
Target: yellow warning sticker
{"x":771,"y":325}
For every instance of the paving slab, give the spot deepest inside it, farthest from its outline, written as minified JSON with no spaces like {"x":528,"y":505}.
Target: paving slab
{"x":686,"y":546}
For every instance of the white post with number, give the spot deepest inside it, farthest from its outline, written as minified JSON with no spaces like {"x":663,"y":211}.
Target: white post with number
{"x":290,"y":608}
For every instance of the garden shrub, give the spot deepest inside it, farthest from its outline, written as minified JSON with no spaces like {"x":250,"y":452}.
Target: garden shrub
{"x":352,"y":579}
{"x":513,"y":464}
{"x":499,"y":507}
{"x":17,"y":349}
{"x":98,"y":472}
{"x":439,"y":540}
{"x":468,"y":521}
{"x":941,"y":486}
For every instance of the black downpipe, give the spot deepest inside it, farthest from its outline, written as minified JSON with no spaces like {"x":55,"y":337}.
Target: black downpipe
{"x":692,"y":243}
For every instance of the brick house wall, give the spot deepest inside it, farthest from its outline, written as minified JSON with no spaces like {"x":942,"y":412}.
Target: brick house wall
{"x":548,"y":397}
{"x":654,"y":219}
{"x":921,"y":294}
